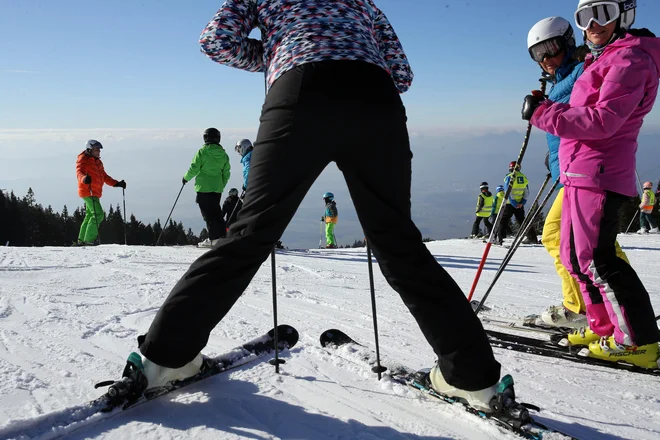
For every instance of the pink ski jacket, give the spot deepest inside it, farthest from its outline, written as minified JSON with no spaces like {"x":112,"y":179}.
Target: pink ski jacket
{"x":600,"y":125}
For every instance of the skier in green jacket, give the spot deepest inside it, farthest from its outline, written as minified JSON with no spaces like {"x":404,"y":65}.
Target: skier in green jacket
{"x":211,"y":170}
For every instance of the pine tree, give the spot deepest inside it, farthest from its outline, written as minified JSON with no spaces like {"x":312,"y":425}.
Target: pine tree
{"x":157,"y":229}
{"x":191,"y":239}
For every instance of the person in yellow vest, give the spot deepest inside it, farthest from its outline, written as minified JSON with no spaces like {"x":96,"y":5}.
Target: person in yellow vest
{"x":484,"y":209}
{"x":646,"y":220}
{"x":497,"y":203}
{"x":515,"y":205}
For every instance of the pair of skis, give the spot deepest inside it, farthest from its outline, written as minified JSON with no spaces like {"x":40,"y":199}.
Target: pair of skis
{"x":509,"y":414}
{"x":554,"y":346}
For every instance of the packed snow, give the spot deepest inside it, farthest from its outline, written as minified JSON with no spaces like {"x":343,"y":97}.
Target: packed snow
{"x":69,"y":317}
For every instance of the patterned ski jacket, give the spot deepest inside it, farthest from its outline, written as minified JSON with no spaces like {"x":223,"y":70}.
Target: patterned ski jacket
{"x":88,"y":165}
{"x":600,"y":125}
{"x":297,"y":32}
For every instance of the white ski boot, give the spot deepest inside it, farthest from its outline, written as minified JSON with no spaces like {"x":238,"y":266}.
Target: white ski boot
{"x":560,"y":316}
{"x":479,"y":399}
{"x":158,"y":376}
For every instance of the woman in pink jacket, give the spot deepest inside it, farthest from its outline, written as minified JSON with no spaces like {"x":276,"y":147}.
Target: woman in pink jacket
{"x":598,"y":130}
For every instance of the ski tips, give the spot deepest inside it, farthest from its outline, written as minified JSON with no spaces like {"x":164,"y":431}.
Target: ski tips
{"x":285,"y":334}
{"x":335,"y":337}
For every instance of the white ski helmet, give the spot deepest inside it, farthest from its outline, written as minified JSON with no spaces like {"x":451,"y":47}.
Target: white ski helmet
{"x":243,"y":146}
{"x":549,"y":37}
{"x":605,"y":12}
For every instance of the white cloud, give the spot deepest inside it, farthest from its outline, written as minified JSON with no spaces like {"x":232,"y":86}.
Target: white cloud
{"x":17,"y":71}
{"x":117,"y":134}
{"x":228,"y":134}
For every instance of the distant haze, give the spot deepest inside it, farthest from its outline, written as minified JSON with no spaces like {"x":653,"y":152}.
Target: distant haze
{"x":447,"y":171}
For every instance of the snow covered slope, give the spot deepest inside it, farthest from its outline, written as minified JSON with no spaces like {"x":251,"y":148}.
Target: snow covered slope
{"x":70,"y":316}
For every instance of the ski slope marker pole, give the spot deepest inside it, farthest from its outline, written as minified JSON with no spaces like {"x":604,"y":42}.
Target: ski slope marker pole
{"x":514,"y":247}
{"x":509,"y":187}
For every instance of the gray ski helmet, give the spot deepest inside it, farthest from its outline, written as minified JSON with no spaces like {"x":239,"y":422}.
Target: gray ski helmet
{"x":243,"y":146}
{"x":328,"y":196}
{"x":233,"y":192}
{"x":211,"y":136}
{"x":93,"y":143}
{"x":484,"y":185}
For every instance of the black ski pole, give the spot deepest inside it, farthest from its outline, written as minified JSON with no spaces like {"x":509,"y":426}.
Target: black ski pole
{"x":523,"y":227}
{"x":98,"y":232}
{"x":522,"y":230}
{"x":641,"y":188}
{"x":123,"y":195}
{"x":277,"y":361}
{"x":378,"y":368}
{"x":168,"y":217}
{"x":240,"y":200}
{"x":513,"y":248}
{"x":533,"y":214}
{"x":498,"y":219}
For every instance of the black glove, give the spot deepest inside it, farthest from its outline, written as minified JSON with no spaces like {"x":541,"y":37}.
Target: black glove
{"x":120,"y":184}
{"x":243,"y":188}
{"x":531,"y":102}
{"x":87,"y":180}
{"x":183,"y":180}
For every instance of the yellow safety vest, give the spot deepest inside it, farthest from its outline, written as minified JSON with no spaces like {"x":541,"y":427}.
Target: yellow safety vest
{"x":519,"y":184}
{"x":649,"y":208}
{"x":498,"y":201}
{"x":488,"y":206}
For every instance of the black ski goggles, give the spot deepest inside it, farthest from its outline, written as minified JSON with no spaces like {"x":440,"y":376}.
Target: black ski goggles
{"x":547,"y":49}
{"x":602,"y":12}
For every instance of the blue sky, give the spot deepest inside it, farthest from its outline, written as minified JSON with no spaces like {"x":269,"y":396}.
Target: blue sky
{"x":130,"y":74}
{"x":136,"y":64}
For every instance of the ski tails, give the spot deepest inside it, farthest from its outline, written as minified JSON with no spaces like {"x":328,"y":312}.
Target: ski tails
{"x":67,"y":420}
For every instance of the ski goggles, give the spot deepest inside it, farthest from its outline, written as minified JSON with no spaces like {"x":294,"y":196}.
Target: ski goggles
{"x":602,"y":13}
{"x":547,"y":49}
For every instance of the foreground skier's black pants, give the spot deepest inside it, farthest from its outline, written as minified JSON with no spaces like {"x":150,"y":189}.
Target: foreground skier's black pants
{"x":348,"y":112}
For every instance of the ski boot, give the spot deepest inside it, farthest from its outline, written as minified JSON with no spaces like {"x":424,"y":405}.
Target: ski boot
{"x":479,"y":399}
{"x":560,"y":316}
{"x":130,"y":387}
{"x":580,"y":336}
{"x":505,"y":407}
{"x":606,"y":348}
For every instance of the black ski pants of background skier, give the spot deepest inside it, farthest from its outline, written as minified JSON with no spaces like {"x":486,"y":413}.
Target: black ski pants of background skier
{"x":519,"y":214}
{"x":477,"y":222}
{"x":209,"y":205}
{"x":348,"y":112}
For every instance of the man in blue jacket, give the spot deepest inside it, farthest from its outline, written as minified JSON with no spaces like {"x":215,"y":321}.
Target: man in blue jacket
{"x":244,"y":148}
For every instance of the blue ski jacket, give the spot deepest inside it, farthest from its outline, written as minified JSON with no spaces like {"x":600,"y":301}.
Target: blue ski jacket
{"x":245,"y":161}
{"x":565,"y":78}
